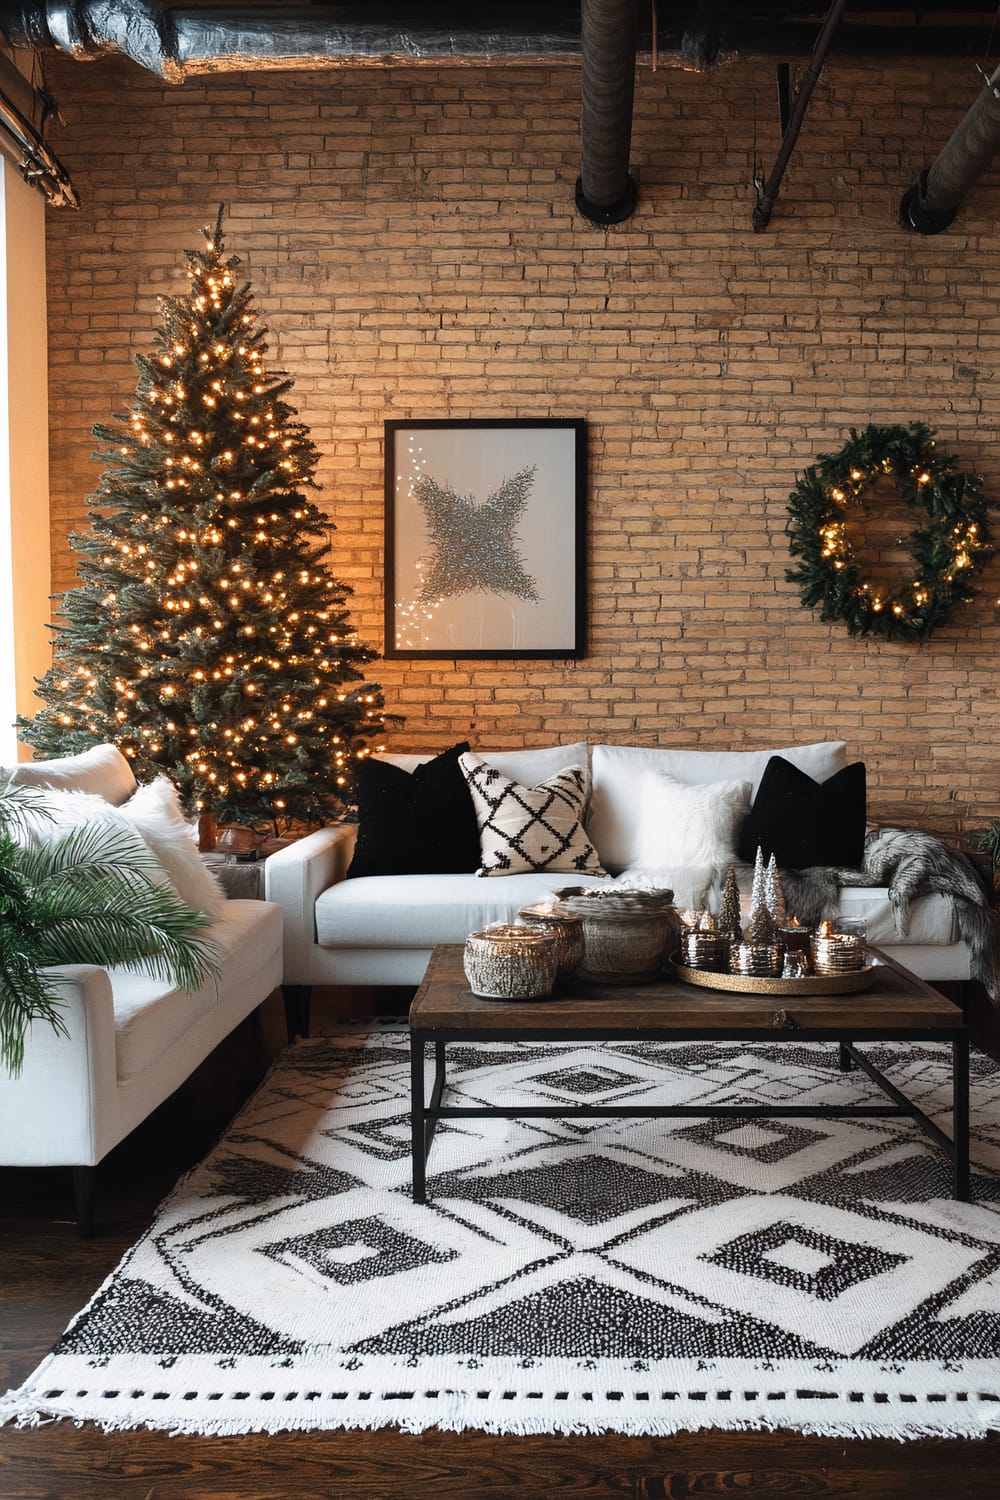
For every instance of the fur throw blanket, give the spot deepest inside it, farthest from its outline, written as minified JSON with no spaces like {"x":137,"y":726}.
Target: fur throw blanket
{"x":910,"y":864}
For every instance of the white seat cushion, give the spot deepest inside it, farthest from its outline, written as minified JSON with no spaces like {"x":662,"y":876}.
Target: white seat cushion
{"x":932,"y":918}
{"x":616,"y":812}
{"x":152,"y":1014}
{"x":417,"y":911}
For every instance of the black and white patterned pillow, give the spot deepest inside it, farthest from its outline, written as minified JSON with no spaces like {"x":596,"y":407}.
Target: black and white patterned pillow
{"x":530,"y":828}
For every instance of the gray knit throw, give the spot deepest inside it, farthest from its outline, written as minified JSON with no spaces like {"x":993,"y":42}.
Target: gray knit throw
{"x":911,"y":864}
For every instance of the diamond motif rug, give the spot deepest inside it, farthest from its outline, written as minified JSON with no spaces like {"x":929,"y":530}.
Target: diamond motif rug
{"x":638,"y":1276}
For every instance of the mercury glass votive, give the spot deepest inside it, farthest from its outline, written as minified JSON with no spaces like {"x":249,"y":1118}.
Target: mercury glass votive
{"x":837,"y":952}
{"x":795,"y":938}
{"x":565,"y":928}
{"x":705,"y":950}
{"x":756,"y":960}
{"x":795,"y":964}
{"x":510,"y":961}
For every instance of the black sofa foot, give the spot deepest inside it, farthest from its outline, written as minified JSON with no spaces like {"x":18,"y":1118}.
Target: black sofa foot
{"x":297,"y":999}
{"x":83,"y":1200}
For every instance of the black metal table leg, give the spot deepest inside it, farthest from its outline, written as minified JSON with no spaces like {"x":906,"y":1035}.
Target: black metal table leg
{"x":960,"y":1117}
{"x":844,"y":1057}
{"x":418,"y":1141}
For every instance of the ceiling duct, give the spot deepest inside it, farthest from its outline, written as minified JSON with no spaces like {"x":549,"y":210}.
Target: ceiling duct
{"x":178,"y":42}
{"x":932,"y":202}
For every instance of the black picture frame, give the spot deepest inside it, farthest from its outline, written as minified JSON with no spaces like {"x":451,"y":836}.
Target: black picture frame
{"x":514,"y":492}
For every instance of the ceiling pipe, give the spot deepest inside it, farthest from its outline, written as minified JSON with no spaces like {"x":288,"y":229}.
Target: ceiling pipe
{"x":605,"y":192}
{"x":931,"y":204}
{"x":39,"y":166}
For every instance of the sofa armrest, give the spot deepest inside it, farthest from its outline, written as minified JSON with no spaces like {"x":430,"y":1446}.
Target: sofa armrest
{"x":54,"y":1112}
{"x":294,"y":878}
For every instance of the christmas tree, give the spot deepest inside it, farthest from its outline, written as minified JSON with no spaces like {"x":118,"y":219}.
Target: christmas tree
{"x":729,"y":912}
{"x":207,"y":638}
{"x":760,"y":922}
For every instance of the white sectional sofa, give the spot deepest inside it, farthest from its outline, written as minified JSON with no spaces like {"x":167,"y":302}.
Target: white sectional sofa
{"x":131,"y":1040}
{"x":380,"y":930}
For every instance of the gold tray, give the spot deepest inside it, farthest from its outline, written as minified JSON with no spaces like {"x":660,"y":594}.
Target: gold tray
{"x":751,"y":984}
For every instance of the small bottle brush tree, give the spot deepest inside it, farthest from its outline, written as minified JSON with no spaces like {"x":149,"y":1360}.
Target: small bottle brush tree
{"x":207,"y":638}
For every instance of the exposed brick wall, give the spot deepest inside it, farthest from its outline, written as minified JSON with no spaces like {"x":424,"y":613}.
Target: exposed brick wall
{"x":413,"y":244}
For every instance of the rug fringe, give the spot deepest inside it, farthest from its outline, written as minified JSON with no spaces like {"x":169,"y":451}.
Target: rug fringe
{"x":27,"y":1413}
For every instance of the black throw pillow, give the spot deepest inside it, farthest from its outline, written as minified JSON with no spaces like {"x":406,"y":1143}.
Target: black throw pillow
{"x":803,"y":822}
{"x":419,"y":822}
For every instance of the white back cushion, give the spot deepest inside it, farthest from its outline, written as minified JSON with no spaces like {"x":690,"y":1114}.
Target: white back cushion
{"x":616,"y":812}
{"x":528,"y":767}
{"x":102,"y":771}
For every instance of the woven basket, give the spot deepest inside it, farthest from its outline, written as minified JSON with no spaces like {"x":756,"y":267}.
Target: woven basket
{"x":626,"y":935}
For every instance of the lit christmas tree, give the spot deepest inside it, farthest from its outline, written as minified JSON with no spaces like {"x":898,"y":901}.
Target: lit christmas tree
{"x":206,"y":638}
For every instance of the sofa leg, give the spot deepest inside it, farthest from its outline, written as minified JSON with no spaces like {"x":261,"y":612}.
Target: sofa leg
{"x":83,"y":1200}
{"x":297,"y":998}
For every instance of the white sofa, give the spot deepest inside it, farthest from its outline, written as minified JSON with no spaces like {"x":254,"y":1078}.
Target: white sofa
{"x":380,"y":930}
{"x":132,"y":1039}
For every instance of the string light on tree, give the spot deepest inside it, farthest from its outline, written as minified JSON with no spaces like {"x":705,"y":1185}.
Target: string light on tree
{"x":204,"y":586}
{"x":947,"y":548}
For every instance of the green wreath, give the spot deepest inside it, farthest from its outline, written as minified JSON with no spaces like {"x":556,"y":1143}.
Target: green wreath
{"x":947,"y":550}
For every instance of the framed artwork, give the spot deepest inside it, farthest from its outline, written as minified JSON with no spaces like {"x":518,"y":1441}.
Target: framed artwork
{"x":484,"y":538}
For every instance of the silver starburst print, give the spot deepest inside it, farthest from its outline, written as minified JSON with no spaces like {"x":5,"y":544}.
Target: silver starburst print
{"x":474,"y":542}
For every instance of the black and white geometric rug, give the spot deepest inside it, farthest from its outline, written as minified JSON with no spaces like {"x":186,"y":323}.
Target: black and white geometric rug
{"x":639,"y":1276}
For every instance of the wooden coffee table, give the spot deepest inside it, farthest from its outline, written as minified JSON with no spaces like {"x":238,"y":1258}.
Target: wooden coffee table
{"x":898,"y":1007}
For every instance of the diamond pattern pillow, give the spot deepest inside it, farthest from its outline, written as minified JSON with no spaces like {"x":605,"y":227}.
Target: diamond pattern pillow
{"x":530,"y":828}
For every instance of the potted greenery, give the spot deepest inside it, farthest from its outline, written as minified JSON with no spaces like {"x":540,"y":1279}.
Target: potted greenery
{"x":93,"y":894}
{"x":987,"y":841}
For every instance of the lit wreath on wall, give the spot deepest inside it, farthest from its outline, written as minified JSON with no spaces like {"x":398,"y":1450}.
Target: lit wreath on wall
{"x":947,"y":549}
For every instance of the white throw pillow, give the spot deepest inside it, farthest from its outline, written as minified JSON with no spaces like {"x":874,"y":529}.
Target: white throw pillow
{"x":154,"y":811}
{"x":688,"y":825}
{"x":153,"y":815}
{"x":530,"y":828}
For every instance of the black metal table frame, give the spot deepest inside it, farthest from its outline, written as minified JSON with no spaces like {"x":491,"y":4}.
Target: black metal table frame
{"x":425,"y":1114}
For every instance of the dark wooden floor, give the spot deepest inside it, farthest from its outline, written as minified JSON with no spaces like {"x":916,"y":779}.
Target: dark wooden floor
{"x":47,"y":1273}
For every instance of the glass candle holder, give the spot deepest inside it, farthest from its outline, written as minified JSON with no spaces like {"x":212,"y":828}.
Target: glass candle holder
{"x":837,"y":952}
{"x":510,"y":961}
{"x":565,"y":928}
{"x":795,"y":964}
{"x":795,"y":939}
{"x":756,"y":960}
{"x":705,"y":950}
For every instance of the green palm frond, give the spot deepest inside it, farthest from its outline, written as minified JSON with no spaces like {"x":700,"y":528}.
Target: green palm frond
{"x":21,"y":807}
{"x":94,"y":895}
{"x":90,"y":851}
{"x":111,"y":921}
{"x":25,"y":993}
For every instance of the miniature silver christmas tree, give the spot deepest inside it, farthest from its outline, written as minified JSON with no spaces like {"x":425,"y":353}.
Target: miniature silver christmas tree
{"x":760,"y":927}
{"x":774,"y":895}
{"x":729,"y":911}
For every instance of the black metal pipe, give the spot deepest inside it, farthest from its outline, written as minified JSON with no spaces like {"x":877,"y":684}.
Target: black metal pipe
{"x":37,"y":164}
{"x":605,"y":192}
{"x":931,"y":204}
{"x":768,"y":191}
